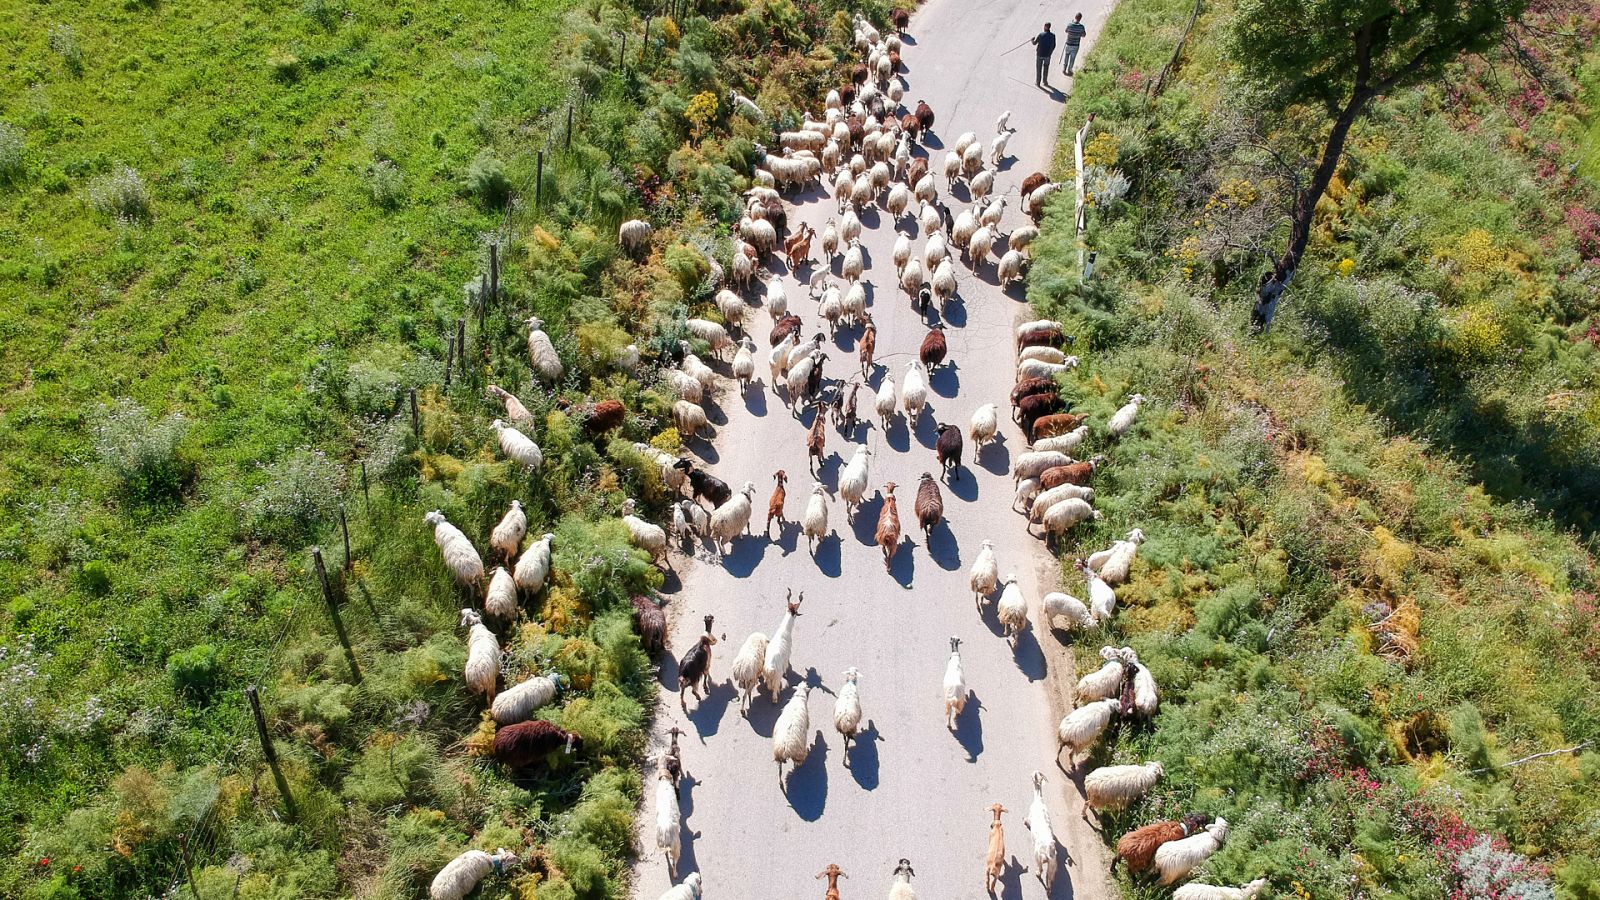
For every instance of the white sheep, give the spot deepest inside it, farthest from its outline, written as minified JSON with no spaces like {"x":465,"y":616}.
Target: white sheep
{"x":878,"y":175}
{"x":669,"y":830}
{"x":1114,"y":787}
{"x":805,"y":350}
{"x":853,"y":480}
{"x":985,"y":574}
{"x":914,"y":391}
{"x":966,"y":225}
{"x":1033,"y":368}
{"x":1218,"y":892}
{"x":1009,"y":268}
{"x":854,"y":263}
{"x":1022,"y":237}
{"x":634,"y":235}
{"x":647,"y":537}
{"x":1103,"y":682}
{"x":801,"y":140}
{"x":507,"y":534}
{"x":690,"y":419}
{"x":901,"y":253}
{"x":460,"y":876}
{"x":1175,"y":859}
{"x":967,"y":139}
{"x":936,"y":251}
{"x":952,"y":167}
{"x":1037,"y":326}
{"x":799,"y":374}
{"x":814,"y":522}
{"x":744,"y":364}
{"x":1043,"y":354}
{"x":830,"y":241}
{"x":983,"y":427}
{"x":500,"y":601}
{"x":775,"y":665}
{"x":688,"y":890}
{"x":1003,"y":122}
{"x":791,"y":735}
{"x":516,"y":704}
{"x":944,"y":282}
{"x":778,"y":360}
{"x":861,"y":191}
{"x":1035,"y":202}
{"x":1114,"y":562}
{"x":1027,"y":489}
{"x":483,"y":656}
{"x":1123,"y":419}
{"x":884,"y":403}
{"x":731,"y":305}
{"x":850,"y":227}
{"x":993,"y":213}
{"x":517,"y":446}
{"x":1146,"y":696}
{"x":997,"y":146}
{"x":695,"y":368}
{"x":732,"y":519}
{"x":899,"y":200}
{"x":1035,"y":463}
{"x":546,"y":362}
{"x":1083,"y":726}
{"x":777,"y":301}
{"x":1102,"y":599}
{"x":981,"y":184}
{"x":1049,"y":498}
{"x":927,"y":192}
{"x":972,"y":160}
{"x":955,"y":685}
{"x":1063,"y":516}
{"x":1044,"y":837}
{"x":683,"y":385}
{"x":746,"y":671}
{"x":1012,"y":609}
{"x":847,"y":708}
{"x":460,"y":557}
{"x":1063,"y":443}
{"x":533,"y":566}
{"x":1057,"y":605}
{"x":980,"y":246}
{"x":855,"y":301}
{"x":713,"y":334}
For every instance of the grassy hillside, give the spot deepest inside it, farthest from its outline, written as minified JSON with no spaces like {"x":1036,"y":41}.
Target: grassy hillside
{"x":1369,"y":585}
{"x":242,"y":233}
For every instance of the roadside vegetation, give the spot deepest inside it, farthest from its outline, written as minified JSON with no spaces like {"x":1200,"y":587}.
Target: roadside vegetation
{"x":1369,"y":587}
{"x":243,"y":237}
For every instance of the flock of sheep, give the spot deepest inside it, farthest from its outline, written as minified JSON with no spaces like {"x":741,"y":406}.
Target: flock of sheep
{"x":869,"y":151}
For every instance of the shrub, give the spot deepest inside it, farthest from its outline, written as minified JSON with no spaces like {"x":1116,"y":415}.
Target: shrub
{"x":301,"y":490}
{"x":195,"y":671}
{"x":120,"y":194}
{"x":387,"y":182}
{"x":486,"y":179}
{"x":144,"y":454}
{"x":12,"y":147}
{"x":64,"y":41}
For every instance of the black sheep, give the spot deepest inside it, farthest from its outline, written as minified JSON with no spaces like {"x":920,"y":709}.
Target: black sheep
{"x":704,"y":484}
{"x":814,"y":380}
{"x":948,"y":447}
{"x":1031,"y":409}
{"x":652,"y":624}
{"x":525,"y":743}
{"x":694,"y":669}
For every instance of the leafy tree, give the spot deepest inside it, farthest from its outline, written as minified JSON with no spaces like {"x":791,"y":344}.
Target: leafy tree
{"x":1341,"y":54}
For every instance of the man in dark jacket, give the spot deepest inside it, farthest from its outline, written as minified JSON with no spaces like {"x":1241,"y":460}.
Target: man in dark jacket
{"x":1044,"y":44}
{"x":1075,"y":35}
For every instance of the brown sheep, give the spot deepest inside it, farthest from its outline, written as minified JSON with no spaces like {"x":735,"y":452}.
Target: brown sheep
{"x":929,"y":505}
{"x":933,"y":348}
{"x":910,"y":125}
{"x":916,"y":171}
{"x":888,"y":534}
{"x":858,"y":74}
{"x":652,"y":623}
{"x":525,"y":743}
{"x":924,"y":115}
{"x":786,"y":325}
{"x":1058,"y":424}
{"x":869,"y":344}
{"x":694,"y":669}
{"x":1032,"y":409}
{"x":1138,"y":847}
{"x":775,"y":505}
{"x":817,"y":439}
{"x":774,"y":212}
{"x":948,"y":448}
{"x":1032,"y":183}
{"x":899,"y":18}
{"x":1044,"y":337}
{"x":847,"y":94}
{"x":1078,"y":473}
{"x":1029,"y":387}
{"x":606,"y":415}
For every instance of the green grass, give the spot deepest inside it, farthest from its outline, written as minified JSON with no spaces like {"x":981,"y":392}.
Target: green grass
{"x":1371,"y":456}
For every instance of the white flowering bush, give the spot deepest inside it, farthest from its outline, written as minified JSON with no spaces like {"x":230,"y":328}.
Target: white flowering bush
{"x":1104,"y":187}
{"x":302,"y":490}
{"x":12,"y":149}
{"x":24,"y":732}
{"x":143,"y":452}
{"x":120,"y":194}
{"x":1487,"y":872}
{"x":388,"y":183}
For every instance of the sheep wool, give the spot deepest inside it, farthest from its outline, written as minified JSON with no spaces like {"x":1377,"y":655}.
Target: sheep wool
{"x":853,"y":480}
{"x":1057,"y":605}
{"x":983,"y":427}
{"x":516,"y":446}
{"x":688,"y":890}
{"x":533,"y":566}
{"x":634,"y":235}
{"x":1146,"y":697}
{"x":546,"y":362}
{"x":483,"y":656}
{"x":815,"y":520}
{"x":985,"y":574}
{"x":689,"y":419}
{"x":501,"y":599}
{"x":1122,"y":420}
{"x":746,"y":671}
{"x":669,"y":837}
{"x":1176,"y":859}
{"x":914,"y":391}
{"x":791,"y":736}
{"x":1218,"y":892}
{"x":1012,"y":609}
{"x":1114,"y":562}
{"x":1083,"y":726}
{"x":507,"y":534}
{"x":650,"y":538}
{"x":459,"y":555}
{"x":1102,"y":599}
{"x":1047,"y":499}
{"x":461,"y":875}
{"x":1063,"y":443}
{"x":516,"y":704}
{"x":1103,"y":682}
{"x":732,"y":519}
{"x":847,"y":707}
{"x":884,"y":403}
{"x":1114,"y":787}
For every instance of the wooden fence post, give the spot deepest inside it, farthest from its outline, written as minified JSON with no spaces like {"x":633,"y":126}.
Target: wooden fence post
{"x":188,"y":867}
{"x":333,"y":613}
{"x":416,"y":419}
{"x":367,"y":495}
{"x":344,"y":526}
{"x":569,"y":127}
{"x":538,"y":184}
{"x":449,"y":362}
{"x":270,"y":752}
{"x":494,"y":270}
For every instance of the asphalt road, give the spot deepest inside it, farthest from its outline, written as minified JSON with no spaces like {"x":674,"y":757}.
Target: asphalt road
{"x":909,"y":787}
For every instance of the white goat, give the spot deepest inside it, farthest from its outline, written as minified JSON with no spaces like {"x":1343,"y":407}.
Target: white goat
{"x":1044,"y":838}
{"x":955,"y":686}
{"x":775,"y":666}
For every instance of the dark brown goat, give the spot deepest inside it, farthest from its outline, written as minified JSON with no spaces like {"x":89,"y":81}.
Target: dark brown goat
{"x":910,"y":125}
{"x":1032,"y":409}
{"x":787,"y":324}
{"x":899,"y":18}
{"x":525,"y":743}
{"x":930,"y":504}
{"x":817,"y":438}
{"x":948,"y":448}
{"x":694,"y":669}
{"x":933,"y":347}
{"x":924,"y":115}
{"x":652,"y":623}
{"x":847,"y":94}
{"x":1138,"y":847}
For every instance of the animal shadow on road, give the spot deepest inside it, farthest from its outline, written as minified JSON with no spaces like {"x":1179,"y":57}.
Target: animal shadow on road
{"x":807,"y":785}
{"x":898,"y":436}
{"x":755,"y":399}
{"x":945,"y":380}
{"x":928,"y":428}
{"x":747,"y":553}
{"x":995,"y":458}
{"x":829,"y":553}
{"x":904,"y":565}
{"x":969,"y":728}
{"x":1011,"y":879}
{"x":943,"y":547}
{"x":686,"y":860}
{"x":1028,"y":655}
{"x":862,"y":757}
{"x":706,"y":716}
{"x":964,"y":488}
{"x":955,"y":311}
